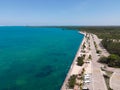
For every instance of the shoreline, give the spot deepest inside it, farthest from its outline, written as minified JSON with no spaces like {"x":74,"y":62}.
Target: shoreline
{"x":63,"y":87}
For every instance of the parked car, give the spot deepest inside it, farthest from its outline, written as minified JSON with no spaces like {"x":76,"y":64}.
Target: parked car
{"x":85,"y":88}
{"x":86,"y":81}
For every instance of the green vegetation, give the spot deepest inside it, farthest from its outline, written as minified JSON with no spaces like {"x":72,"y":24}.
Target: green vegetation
{"x":90,"y":57}
{"x":83,"y":56}
{"x":98,"y":51}
{"x":111,"y":32}
{"x":71,"y":81}
{"x":95,"y":44}
{"x":84,"y":45}
{"x":113,"y":46}
{"x":80,"y":61}
{"x":103,"y":59}
{"x":112,"y":60}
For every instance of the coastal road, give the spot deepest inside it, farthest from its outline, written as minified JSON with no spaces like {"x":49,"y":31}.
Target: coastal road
{"x":100,"y":46}
{"x":98,"y":82}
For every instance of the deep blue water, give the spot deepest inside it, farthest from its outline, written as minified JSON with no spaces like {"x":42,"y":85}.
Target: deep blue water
{"x":36,"y":58}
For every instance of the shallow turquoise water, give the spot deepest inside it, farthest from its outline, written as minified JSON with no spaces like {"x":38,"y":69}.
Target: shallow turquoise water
{"x":36,"y":58}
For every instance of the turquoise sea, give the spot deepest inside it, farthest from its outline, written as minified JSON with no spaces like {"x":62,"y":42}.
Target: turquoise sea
{"x":33,"y":58}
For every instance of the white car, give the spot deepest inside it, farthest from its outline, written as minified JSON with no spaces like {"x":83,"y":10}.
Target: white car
{"x":87,"y":81}
{"x":86,"y":78}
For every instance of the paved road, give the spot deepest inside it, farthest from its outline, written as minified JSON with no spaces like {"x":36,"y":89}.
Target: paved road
{"x":115,"y":80}
{"x":98,"y":82}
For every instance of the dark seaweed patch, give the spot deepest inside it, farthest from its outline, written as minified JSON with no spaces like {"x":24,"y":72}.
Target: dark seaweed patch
{"x":45,"y":71}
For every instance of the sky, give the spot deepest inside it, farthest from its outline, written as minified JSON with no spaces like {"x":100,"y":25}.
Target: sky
{"x":59,"y":12}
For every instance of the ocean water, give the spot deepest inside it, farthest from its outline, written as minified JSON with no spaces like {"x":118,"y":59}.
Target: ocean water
{"x":36,"y":58}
